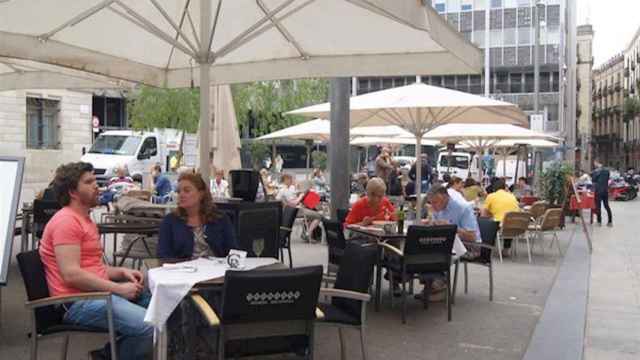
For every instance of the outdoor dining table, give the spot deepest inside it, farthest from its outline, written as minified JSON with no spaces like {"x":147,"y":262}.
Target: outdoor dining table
{"x":166,"y":284}
{"x":115,"y":228}
{"x":380,"y":236}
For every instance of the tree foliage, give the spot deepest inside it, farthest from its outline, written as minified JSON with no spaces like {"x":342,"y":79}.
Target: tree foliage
{"x":165,"y":108}
{"x":631,"y":108}
{"x":261,"y":105}
{"x":554,"y":182}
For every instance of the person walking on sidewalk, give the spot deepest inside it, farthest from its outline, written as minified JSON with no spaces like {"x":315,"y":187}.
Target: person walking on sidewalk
{"x":600,"y":180}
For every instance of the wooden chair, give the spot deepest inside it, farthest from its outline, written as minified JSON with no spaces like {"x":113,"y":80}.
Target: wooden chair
{"x":537,"y":210}
{"x":514,"y":226}
{"x":549,"y":225}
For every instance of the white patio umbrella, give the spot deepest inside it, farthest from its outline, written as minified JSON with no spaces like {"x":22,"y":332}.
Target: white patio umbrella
{"x":393,"y":140}
{"x":187,"y":43}
{"x":315,"y":130}
{"x":225,"y":138}
{"x":481,"y":137}
{"x":484,"y":135}
{"x":419,"y":108}
{"x":18,"y":74}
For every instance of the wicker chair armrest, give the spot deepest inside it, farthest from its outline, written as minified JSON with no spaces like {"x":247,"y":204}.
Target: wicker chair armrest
{"x":284,"y":228}
{"x":62,"y":299}
{"x":391,"y":248}
{"x":206,"y":310}
{"x":347,"y":294}
{"x":328,"y":279}
{"x":480,"y":245}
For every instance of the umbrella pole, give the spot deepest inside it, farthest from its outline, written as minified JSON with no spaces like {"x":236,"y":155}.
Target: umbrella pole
{"x":205,"y":119}
{"x":418,"y":185}
{"x":205,"y":112}
{"x":515,"y":177}
{"x":504,"y":164}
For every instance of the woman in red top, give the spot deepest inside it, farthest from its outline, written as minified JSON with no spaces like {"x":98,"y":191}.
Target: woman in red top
{"x":374,"y":206}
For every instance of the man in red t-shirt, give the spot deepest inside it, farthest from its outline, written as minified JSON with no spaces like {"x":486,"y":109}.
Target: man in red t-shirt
{"x":374,"y":206}
{"x":72,"y":255}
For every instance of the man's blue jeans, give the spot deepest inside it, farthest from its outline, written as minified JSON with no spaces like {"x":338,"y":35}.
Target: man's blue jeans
{"x":135,"y":337}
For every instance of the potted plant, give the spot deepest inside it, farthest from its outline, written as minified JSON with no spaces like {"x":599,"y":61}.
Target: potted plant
{"x":555,"y":185}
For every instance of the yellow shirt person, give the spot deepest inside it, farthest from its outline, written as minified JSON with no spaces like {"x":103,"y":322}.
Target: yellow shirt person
{"x":499,"y":203}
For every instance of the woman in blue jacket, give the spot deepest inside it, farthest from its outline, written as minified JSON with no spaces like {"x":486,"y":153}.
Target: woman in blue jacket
{"x":196,"y":228}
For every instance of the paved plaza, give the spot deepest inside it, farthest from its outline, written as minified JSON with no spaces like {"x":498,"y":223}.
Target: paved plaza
{"x":480,"y":329}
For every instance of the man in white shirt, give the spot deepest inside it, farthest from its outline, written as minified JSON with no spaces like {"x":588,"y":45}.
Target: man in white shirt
{"x":219,"y":186}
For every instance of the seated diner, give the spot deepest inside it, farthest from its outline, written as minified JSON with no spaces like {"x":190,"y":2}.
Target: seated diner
{"x":195,"y":228}
{"x":374,"y":206}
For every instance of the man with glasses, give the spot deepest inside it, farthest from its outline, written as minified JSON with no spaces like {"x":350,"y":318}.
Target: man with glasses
{"x":446,"y":210}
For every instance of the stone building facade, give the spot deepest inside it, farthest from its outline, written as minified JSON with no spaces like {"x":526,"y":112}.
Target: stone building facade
{"x":48,"y":128}
{"x":607,"y":124}
{"x":631,"y":136}
{"x":584,"y":73}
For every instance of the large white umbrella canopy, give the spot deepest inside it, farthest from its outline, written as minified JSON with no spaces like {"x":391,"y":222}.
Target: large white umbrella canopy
{"x":393,"y":140}
{"x":535,"y":143}
{"x":18,"y":74}
{"x":419,"y":108}
{"x":182,"y":43}
{"x":316,"y":130}
{"x":484,"y":135}
{"x":319,"y":130}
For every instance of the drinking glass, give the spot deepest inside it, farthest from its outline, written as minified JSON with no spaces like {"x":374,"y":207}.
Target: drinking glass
{"x":258,"y":247}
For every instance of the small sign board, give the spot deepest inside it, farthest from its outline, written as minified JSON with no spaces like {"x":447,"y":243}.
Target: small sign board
{"x":11,"y":182}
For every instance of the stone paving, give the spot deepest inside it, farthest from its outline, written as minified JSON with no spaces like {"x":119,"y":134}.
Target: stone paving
{"x":480,"y":329}
{"x":613,"y":320}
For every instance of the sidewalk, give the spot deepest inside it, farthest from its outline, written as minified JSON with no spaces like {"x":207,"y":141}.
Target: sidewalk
{"x":613,"y":315}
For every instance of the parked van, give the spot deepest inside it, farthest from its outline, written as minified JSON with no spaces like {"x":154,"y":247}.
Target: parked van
{"x":460,"y":164}
{"x":137,"y":150}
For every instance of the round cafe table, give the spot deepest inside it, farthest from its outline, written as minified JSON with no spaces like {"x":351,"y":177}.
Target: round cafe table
{"x":115,"y":228}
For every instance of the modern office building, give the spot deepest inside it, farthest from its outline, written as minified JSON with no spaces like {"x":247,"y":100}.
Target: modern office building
{"x":511,"y":44}
{"x":584,"y":75}
{"x":607,"y":114}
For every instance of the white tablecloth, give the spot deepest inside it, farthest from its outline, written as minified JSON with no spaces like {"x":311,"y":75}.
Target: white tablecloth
{"x":169,"y":286}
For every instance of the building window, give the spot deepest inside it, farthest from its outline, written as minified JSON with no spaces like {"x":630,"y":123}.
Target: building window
{"x":440,"y":7}
{"x":476,"y":84}
{"x":496,"y":4}
{"x":516,"y":83}
{"x":42,"y":123}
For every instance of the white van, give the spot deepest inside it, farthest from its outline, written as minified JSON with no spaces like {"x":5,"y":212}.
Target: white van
{"x":460,"y":164}
{"x":137,"y":150}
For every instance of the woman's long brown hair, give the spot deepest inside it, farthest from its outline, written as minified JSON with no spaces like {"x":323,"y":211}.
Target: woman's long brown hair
{"x":208,"y":210}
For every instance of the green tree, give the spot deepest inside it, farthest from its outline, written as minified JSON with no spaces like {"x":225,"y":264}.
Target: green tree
{"x":631,"y":108}
{"x":266,"y":101}
{"x":165,"y":108}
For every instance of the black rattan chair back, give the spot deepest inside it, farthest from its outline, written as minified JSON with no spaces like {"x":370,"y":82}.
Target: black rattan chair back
{"x":35,"y":283}
{"x":355,"y":274}
{"x":488,"y":231}
{"x":428,"y":248}
{"x":335,"y":240}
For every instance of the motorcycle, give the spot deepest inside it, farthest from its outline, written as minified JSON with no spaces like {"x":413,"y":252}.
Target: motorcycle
{"x":623,"y":189}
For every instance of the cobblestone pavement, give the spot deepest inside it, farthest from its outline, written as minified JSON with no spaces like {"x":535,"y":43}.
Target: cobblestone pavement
{"x":613,"y":320}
